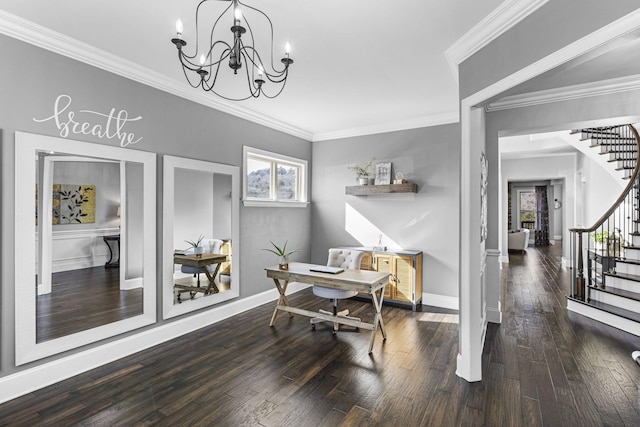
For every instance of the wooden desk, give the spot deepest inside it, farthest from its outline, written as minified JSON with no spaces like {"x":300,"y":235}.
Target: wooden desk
{"x":354,"y":280}
{"x":201,"y":262}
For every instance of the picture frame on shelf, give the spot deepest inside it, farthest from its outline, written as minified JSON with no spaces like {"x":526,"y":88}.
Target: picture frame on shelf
{"x":383,"y":173}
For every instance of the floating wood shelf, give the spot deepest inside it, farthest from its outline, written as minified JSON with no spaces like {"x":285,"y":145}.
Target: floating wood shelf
{"x":365,"y":190}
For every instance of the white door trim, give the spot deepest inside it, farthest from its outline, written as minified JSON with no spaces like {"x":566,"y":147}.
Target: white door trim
{"x":469,"y":361}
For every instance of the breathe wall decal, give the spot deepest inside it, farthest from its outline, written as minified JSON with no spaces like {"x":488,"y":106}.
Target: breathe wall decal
{"x":110,"y":126}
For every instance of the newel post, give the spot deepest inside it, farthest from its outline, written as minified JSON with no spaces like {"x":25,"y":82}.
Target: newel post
{"x":580,"y":276}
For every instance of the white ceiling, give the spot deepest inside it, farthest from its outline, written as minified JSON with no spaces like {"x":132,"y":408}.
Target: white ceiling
{"x":358,"y":65}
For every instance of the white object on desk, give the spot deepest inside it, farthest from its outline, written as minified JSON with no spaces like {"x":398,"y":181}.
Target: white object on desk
{"x":327,"y":269}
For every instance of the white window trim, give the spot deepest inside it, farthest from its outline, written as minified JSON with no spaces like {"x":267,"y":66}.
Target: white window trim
{"x":303,"y":179}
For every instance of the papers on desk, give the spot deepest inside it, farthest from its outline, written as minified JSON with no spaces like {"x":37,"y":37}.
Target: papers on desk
{"x":326,"y":269}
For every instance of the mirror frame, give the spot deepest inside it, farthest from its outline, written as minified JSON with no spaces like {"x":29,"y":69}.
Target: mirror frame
{"x":170,"y":164}
{"x":26,"y":147}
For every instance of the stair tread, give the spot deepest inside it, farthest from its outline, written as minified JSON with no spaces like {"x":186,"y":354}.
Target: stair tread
{"x":612,"y":309}
{"x":599,"y":131}
{"x":617,"y":151}
{"x":619,"y":292}
{"x":628,"y":261}
{"x":597,"y":142}
{"x":632,"y":277}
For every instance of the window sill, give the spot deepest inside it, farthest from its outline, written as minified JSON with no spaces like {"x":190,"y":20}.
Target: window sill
{"x":273,"y":204}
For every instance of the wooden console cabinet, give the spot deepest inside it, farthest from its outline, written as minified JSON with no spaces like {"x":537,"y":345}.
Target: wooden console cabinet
{"x":406,"y":273}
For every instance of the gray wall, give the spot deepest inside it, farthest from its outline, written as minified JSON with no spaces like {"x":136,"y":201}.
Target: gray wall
{"x":553,"y":26}
{"x":426,"y":221}
{"x":30,"y":81}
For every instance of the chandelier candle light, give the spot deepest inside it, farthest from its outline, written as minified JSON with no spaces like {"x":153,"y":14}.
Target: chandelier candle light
{"x":216,"y":52}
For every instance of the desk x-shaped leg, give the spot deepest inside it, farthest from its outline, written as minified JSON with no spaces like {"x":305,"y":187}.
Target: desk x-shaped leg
{"x":193,"y":290}
{"x":283,"y":305}
{"x":282,"y":289}
{"x":211,"y":278}
{"x":377,"y":305}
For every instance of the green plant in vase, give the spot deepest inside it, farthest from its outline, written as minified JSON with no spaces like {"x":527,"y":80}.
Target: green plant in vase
{"x":195,"y":244}
{"x":600,"y":237}
{"x":362,"y":171}
{"x":282,"y":253}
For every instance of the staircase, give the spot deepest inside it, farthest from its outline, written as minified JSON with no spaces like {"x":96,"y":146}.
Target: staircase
{"x":606,"y":257}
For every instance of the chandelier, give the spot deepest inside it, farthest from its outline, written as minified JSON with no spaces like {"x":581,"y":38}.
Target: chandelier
{"x":205,"y":71}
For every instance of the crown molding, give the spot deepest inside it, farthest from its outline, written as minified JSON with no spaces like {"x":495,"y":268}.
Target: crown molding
{"x":602,"y":87}
{"x":441,"y":119}
{"x":491,"y":27}
{"x":37,"y":35}
{"x":528,"y":155}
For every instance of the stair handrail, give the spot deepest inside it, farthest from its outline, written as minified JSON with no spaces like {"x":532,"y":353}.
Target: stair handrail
{"x":623,"y":195}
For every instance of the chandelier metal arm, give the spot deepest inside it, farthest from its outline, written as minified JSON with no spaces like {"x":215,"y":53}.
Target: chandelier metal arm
{"x":270,"y":28}
{"x":274,"y":76}
{"x":209,"y":77}
{"x":186,"y":62}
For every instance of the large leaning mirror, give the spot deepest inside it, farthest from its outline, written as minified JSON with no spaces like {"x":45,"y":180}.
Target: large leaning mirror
{"x":200,"y":234}
{"x":89,"y":248}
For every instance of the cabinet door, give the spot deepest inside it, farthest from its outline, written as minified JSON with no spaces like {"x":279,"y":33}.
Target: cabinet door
{"x":225,"y":248}
{"x":365,"y":264}
{"x":403,"y":268}
{"x":383,"y":263}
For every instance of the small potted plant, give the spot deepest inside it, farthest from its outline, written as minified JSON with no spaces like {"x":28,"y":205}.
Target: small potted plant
{"x":195,"y":244}
{"x":283,"y":254}
{"x":599,"y":237}
{"x":362,"y":171}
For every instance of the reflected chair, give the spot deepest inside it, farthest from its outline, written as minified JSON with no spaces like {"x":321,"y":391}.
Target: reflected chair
{"x":211,"y":246}
{"x":343,"y":258}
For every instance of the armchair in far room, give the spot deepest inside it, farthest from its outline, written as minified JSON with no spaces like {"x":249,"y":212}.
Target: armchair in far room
{"x":518,"y":240}
{"x":343,"y":258}
{"x":211,"y":246}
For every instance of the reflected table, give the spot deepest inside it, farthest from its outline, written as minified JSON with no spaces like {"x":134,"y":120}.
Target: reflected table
{"x":114,"y":238}
{"x":370,"y":282}
{"x":202,"y":261}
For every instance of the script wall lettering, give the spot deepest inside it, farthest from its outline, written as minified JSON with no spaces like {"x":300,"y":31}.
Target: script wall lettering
{"x":110,"y":126}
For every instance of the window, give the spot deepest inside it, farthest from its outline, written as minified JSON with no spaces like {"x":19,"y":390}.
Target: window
{"x":528,"y":209}
{"x":272,"y":179}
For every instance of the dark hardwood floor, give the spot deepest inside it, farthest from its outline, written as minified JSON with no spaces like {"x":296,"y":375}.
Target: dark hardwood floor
{"x":541,"y":366}
{"x":84,"y":299}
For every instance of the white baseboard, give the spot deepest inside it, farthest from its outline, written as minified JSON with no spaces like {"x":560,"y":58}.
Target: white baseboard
{"x":441,"y":301}
{"x":130,"y":284}
{"x":504,"y":258}
{"x":44,"y":289}
{"x":78,"y":263}
{"x":28,"y":380}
